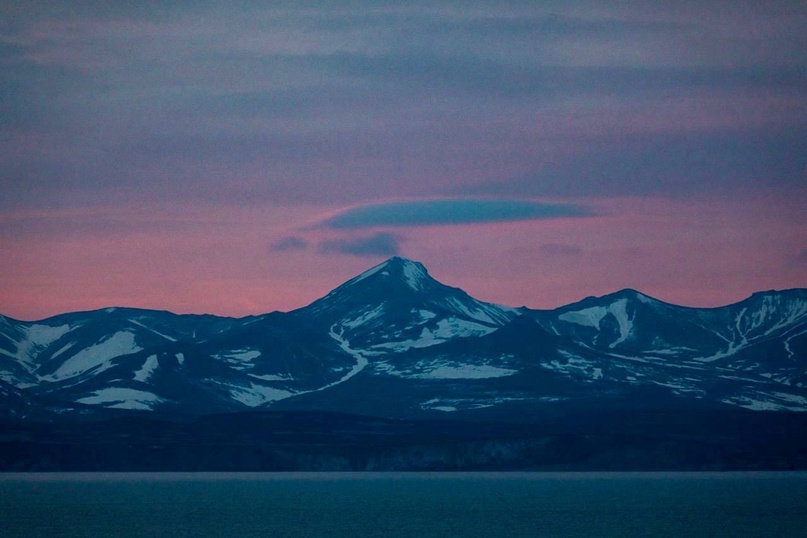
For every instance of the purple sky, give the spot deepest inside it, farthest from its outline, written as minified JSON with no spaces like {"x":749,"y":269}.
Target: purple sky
{"x":237,"y":158}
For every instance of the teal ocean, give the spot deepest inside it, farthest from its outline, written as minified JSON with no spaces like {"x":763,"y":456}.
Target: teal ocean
{"x":403,"y":504}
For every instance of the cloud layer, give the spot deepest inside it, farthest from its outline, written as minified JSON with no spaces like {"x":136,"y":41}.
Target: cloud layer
{"x":381,"y":244}
{"x":284,"y":104}
{"x":448,"y":212}
{"x":289,"y":243}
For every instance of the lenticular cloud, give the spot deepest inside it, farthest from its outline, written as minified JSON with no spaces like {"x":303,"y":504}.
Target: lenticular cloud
{"x":451,"y":211}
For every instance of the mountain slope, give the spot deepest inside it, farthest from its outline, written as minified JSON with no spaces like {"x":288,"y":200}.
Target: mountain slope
{"x":395,"y":342}
{"x":397,"y":305}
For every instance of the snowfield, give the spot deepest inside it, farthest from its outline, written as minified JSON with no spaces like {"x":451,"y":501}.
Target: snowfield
{"x":122,"y":398}
{"x":97,"y":357}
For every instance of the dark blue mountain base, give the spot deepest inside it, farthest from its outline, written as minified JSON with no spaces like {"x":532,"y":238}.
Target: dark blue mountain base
{"x":419,"y":357}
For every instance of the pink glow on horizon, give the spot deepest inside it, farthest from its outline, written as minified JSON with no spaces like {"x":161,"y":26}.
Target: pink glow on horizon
{"x":219,"y":261}
{"x":683,"y":262}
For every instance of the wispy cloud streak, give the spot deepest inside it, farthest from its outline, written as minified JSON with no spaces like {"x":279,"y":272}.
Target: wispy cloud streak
{"x":380,"y":244}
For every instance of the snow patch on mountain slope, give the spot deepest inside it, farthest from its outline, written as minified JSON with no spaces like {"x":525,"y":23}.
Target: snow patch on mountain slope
{"x":458,"y":328}
{"x":242,"y":355}
{"x":729,"y":351}
{"x":794,"y":398}
{"x":363,"y":317}
{"x":96,"y":357}
{"x":148,"y":368}
{"x":589,"y":317}
{"x":11,"y":379}
{"x":445,"y":329}
{"x":743,"y":379}
{"x":449,"y":405}
{"x":790,"y":354}
{"x":780,"y":377}
{"x":170,"y":339}
{"x":122,"y":398}
{"x":37,"y":338}
{"x":270,"y":377}
{"x":771,"y":310}
{"x":462,"y":371}
{"x":44,"y":335}
{"x":414,"y":275}
{"x":484,"y":313}
{"x":658,"y":361}
{"x":673,"y":351}
{"x":679,"y":386}
{"x":368,"y":273}
{"x":771,"y":403}
{"x":360,"y":356}
{"x":620,"y":311}
{"x":593,"y":316}
{"x":446,"y":367}
{"x":240,"y":359}
{"x":425,"y":315}
{"x":772,"y":315}
{"x":255,"y":395}
{"x":62,"y":350}
{"x":574,"y":365}
{"x":745,"y":323}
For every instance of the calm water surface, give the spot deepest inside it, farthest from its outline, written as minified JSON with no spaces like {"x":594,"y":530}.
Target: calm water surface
{"x":404,"y":504}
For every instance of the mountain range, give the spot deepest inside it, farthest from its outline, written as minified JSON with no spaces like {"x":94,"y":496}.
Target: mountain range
{"x":395,"y":345}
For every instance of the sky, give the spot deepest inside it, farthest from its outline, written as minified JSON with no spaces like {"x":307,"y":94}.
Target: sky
{"x":237,"y":158}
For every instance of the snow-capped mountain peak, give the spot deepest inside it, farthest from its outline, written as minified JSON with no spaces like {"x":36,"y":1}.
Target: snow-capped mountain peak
{"x":395,"y":270}
{"x":397,"y":305}
{"x":394,"y":325}
{"x":394,"y":281}
{"x":414,"y":273}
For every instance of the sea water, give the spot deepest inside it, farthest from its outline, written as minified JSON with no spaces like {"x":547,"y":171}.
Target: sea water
{"x":403,"y":504}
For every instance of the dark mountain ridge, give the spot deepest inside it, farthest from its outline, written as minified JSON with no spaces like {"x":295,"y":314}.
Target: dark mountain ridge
{"x":395,"y":344}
